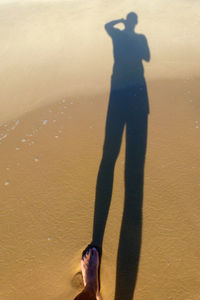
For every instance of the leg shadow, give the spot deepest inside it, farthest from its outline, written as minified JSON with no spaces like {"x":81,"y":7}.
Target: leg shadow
{"x":113,"y":136}
{"x":131,"y":228}
{"x":123,"y":114}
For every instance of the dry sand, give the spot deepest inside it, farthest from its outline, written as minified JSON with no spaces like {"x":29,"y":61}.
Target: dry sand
{"x":51,"y":138}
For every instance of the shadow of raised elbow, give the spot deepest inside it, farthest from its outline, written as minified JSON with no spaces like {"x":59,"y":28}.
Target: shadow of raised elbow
{"x":106,"y":26}
{"x":147,"y":58}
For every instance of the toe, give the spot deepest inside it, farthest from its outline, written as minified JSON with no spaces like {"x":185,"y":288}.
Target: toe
{"x":88,"y":253}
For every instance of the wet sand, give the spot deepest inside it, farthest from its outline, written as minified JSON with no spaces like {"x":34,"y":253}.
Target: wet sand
{"x":49,"y":165}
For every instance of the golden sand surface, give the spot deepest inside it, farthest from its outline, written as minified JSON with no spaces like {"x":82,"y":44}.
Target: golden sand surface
{"x":49,"y":163}
{"x":56,"y":61}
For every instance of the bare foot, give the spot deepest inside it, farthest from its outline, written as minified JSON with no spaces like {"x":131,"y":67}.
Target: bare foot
{"x":89,"y":266}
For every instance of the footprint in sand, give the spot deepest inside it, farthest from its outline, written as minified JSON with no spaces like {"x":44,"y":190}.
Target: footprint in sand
{"x":77,"y":281}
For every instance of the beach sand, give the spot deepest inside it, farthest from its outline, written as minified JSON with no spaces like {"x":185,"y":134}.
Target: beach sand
{"x":51,"y":141}
{"x":49,"y":165}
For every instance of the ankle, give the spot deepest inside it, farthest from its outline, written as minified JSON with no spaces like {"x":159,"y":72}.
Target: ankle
{"x":91,"y":288}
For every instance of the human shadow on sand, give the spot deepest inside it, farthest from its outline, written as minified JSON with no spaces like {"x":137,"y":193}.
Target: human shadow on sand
{"x":128,"y":109}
